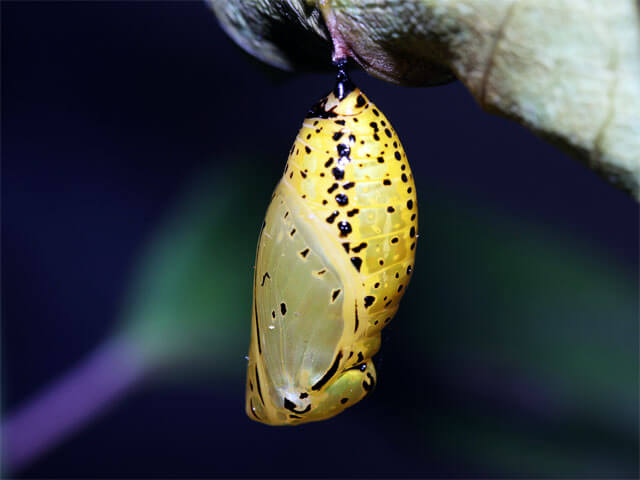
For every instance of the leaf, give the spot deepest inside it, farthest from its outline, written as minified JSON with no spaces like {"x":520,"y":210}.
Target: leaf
{"x":569,"y":70}
{"x":189,"y":304}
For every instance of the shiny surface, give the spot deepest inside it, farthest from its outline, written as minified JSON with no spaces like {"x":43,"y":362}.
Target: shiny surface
{"x":334,"y":257}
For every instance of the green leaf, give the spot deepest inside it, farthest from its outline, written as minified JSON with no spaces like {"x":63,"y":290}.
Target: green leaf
{"x":189,"y":305}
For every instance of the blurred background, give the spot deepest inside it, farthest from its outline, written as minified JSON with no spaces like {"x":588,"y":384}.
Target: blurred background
{"x":130,"y":129}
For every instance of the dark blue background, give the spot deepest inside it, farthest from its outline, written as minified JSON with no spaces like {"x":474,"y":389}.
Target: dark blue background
{"x":107,"y":107}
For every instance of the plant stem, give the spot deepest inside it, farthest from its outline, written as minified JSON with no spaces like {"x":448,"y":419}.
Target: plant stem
{"x":70,"y":402}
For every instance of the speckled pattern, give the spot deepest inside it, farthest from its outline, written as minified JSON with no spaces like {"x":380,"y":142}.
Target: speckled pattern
{"x":335,"y":255}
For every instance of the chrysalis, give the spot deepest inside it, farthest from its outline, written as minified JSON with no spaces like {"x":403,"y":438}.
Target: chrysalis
{"x":334,"y":258}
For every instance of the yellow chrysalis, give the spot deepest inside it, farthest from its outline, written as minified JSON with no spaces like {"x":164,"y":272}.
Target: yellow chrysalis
{"x":334,"y":258}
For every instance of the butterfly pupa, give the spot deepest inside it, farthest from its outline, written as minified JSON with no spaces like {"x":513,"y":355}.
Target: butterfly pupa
{"x":334,"y":257}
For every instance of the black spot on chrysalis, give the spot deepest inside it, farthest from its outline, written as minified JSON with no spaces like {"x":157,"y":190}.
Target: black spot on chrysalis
{"x":342,"y":199}
{"x":359,"y":247}
{"x":357,"y":321}
{"x":289,"y":405}
{"x":357,"y":262}
{"x":345,"y":228}
{"x":343,"y":150}
{"x":330,"y":373}
{"x":332,"y":217}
